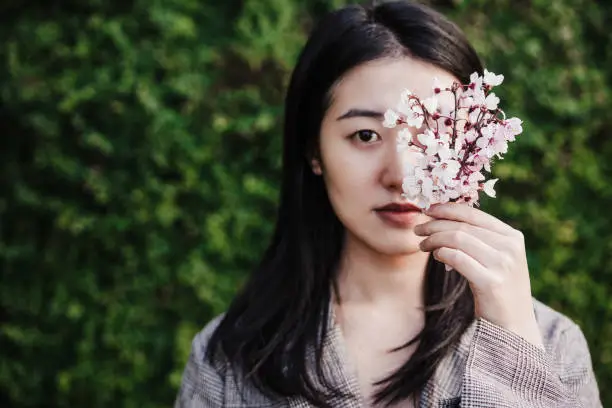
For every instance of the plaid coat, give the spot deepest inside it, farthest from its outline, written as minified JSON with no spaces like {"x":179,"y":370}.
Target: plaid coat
{"x":490,"y":368}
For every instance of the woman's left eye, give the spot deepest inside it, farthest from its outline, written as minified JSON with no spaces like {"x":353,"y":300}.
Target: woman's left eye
{"x":366,"y":136}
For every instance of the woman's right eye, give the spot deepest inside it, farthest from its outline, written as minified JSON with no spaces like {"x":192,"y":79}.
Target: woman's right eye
{"x":366,"y":136}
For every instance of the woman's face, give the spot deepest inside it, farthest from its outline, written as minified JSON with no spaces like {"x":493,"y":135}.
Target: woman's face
{"x":359,"y":161}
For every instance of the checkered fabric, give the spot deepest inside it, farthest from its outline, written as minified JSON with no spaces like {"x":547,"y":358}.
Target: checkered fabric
{"x":490,"y":368}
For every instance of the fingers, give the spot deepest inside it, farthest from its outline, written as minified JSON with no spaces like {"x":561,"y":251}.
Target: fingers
{"x":468,"y":244}
{"x":435,"y":226}
{"x":469,"y":215}
{"x":471,"y":269}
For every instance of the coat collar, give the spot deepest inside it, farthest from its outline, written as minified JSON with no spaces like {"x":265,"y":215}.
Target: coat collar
{"x":442,"y":390}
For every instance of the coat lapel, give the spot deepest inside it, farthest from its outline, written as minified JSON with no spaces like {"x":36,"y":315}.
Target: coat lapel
{"x":444,"y":387}
{"x":336,"y":367}
{"x":443,"y":390}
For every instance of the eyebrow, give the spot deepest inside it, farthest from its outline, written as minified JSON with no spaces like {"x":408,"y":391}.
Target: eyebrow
{"x":367,"y":113}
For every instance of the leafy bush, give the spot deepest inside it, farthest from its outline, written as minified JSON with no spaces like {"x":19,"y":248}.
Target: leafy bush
{"x":140,"y":167}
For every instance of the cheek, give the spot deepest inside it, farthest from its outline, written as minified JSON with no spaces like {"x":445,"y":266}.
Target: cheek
{"x":351,"y":189}
{"x":348,"y":189}
{"x":350,"y":175}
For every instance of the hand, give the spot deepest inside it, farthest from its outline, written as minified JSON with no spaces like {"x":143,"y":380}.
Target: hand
{"x":491,"y":255}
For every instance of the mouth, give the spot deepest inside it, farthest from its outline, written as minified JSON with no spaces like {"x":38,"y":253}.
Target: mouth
{"x":398,"y":207}
{"x":398,"y":215}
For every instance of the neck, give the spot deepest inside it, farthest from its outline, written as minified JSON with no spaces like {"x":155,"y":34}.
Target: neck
{"x":366,"y":276}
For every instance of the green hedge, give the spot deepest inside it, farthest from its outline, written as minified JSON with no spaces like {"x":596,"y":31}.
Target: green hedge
{"x":140,"y":167}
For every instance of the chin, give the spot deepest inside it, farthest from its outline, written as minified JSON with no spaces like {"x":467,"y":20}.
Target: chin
{"x":397,"y":250}
{"x":385,"y":240}
{"x":397,"y":244}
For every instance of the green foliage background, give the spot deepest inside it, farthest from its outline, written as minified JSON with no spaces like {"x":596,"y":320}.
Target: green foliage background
{"x":140,"y":167}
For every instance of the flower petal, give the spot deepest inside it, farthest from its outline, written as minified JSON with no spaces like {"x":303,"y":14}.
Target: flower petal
{"x":391,"y":118}
{"x":488,"y":187}
{"x":431,"y":104}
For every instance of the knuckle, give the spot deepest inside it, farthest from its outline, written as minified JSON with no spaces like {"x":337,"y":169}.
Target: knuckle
{"x":441,"y":252}
{"x":457,"y":236}
{"x":465,"y":228}
{"x":456,"y":255}
{"x":506,"y":262}
{"x":515,"y":246}
{"x":450,"y":255}
{"x":518,"y":234}
{"x":495,"y":283}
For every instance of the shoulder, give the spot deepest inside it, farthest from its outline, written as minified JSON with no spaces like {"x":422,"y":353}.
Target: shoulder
{"x":199,"y":344}
{"x":207,"y":384}
{"x":553,"y":324}
{"x":202,"y":384}
{"x":563,"y":339}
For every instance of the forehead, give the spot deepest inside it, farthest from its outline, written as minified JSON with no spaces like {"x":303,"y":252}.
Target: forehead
{"x":379,"y":83}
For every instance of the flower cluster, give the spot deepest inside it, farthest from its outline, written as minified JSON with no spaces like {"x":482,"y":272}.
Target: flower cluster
{"x":454,"y":143}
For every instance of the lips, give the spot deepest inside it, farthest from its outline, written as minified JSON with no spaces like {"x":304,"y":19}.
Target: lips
{"x":398,"y":215}
{"x":399,"y":207}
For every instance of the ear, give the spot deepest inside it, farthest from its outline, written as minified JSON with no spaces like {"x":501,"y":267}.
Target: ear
{"x":315,"y":164}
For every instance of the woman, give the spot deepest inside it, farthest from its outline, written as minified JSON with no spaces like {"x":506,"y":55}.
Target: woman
{"x":351,"y":305}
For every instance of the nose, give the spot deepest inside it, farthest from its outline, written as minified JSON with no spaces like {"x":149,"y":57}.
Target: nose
{"x":392,"y":175}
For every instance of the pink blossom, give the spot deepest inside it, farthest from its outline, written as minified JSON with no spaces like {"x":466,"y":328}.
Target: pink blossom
{"x":513,"y":128}
{"x":446,"y":170}
{"x":475,"y":81}
{"x":436,"y":144}
{"x":492,"y":142}
{"x":446,"y":161}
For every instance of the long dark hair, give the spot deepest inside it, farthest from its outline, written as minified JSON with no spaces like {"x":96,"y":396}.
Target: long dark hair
{"x":280,"y":314}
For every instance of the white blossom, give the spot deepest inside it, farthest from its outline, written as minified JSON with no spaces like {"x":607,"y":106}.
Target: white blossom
{"x":447,"y":161}
{"x":476,"y":80}
{"x":491,"y":101}
{"x":513,"y":128}
{"x":437,"y":85}
{"x":430,"y":104}
{"x":404,"y":139}
{"x":405,"y":97}
{"x":391,"y":118}
{"x":491,"y":79}
{"x":488,"y":188}
{"x":446,"y":170}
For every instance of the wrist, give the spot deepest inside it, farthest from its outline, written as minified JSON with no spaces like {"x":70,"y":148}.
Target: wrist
{"x":530,"y":331}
